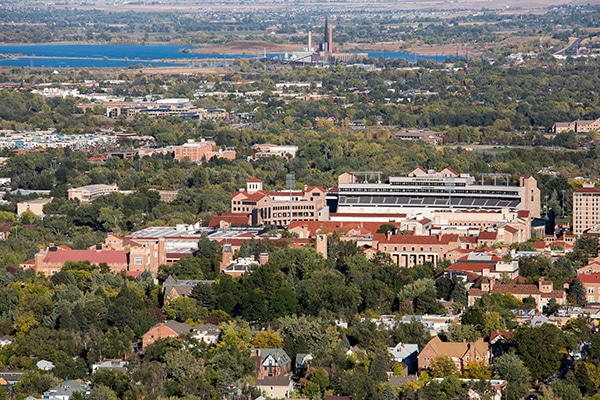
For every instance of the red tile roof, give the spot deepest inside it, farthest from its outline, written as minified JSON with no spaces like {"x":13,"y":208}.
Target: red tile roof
{"x":493,"y":259}
{"x":254,"y":180}
{"x":588,"y":190}
{"x":93,"y":256}
{"x":415,"y":239}
{"x":5,"y":226}
{"x":589,"y":278}
{"x":488,"y":235}
{"x":523,"y":213}
{"x":497,"y":334}
{"x":235,"y":219}
{"x":452,"y":170}
{"x":315,"y":227}
{"x":471,"y":266}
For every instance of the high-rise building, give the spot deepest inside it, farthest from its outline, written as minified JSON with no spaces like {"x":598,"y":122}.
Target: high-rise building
{"x":586,"y":208}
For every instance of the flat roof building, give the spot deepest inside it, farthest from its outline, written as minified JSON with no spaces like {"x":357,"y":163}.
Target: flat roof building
{"x":35,"y":206}
{"x":87,"y":194}
{"x":586,"y":211}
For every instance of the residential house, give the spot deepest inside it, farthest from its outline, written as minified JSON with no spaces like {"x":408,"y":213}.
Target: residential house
{"x":5,"y":228}
{"x":460,"y":352}
{"x":207,"y":333}
{"x":9,"y":378}
{"x":542,"y":293}
{"x":276,"y":387}
{"x":434,"y":324}
{"x":406,"y":354}
{"x":172,"y":329}
{"x":271,"y":362}
{"x":498,"y":387}
{"x":6,"y":340}
{"x":302,"y":363}
{"x":120,"y":365}
{"x":45,"y":365}
{"x":175,"y":288}
{"x":499,"y":343}
{"x":65,"y":390}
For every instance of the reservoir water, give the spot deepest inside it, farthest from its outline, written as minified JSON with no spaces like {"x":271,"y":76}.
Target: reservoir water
{"x":108,"y":55}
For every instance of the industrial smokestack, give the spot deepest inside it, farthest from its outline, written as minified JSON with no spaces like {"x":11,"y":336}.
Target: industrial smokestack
{"x":309,"y":41}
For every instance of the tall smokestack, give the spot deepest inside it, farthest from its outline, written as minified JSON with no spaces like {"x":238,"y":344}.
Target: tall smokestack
{"x":330,"y":39}
{"x":309,"y":41}
{"x":326,"y":36}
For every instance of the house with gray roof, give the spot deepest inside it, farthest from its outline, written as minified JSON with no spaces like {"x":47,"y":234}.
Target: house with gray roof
{"x":271,"y":362}
{"x":65,"y":390}
{"x":174,"y":288}
{"x":407,"y":354}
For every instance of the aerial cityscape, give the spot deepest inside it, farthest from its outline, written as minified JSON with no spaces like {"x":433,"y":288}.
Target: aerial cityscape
{"x":319,"y":200}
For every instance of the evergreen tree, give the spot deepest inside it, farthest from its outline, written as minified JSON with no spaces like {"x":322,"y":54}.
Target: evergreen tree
{"x":459,"y":292}
{"x":377,"y":369}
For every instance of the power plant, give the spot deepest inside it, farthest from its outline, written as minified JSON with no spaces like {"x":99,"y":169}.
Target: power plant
{"x":327,"y":53}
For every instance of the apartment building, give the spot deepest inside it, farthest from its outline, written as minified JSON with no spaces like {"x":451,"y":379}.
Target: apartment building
{"x":586,"y":208}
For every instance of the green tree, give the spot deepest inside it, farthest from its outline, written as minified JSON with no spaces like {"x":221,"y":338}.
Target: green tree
{"x":478,"y":370}
{"x":315,"y":383}
{"x":184,"y":308}
{"x":461,"y":333}
{"x":541,"y":361}
{"x":443,"y":367}
{"x":267,"y":340}
{"x":377,"y":369}
{"x":510,"y":368}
